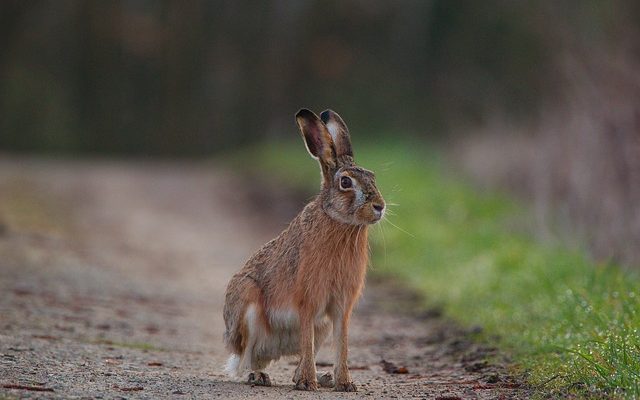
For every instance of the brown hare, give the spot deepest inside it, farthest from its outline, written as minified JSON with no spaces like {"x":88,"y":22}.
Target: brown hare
{"x":289,"y":295}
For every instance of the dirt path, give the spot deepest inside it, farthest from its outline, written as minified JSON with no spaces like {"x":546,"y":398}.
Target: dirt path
{"x":112,"y":279}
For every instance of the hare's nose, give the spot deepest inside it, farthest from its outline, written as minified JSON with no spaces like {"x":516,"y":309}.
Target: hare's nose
{"x":378,"y":207}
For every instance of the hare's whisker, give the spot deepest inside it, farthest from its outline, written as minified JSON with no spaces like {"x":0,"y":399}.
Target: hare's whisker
{"x":384,"y":242}
{"x":397,"y":227}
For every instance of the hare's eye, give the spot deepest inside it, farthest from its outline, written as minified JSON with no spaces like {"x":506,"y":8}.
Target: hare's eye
{"x":346,"y":182}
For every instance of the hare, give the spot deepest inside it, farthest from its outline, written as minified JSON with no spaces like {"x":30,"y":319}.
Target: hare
{"x":289,"y":295}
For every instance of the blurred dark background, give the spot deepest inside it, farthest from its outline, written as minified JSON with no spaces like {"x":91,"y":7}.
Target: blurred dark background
{"x":541,"y":97}
{"x":195,"y":77}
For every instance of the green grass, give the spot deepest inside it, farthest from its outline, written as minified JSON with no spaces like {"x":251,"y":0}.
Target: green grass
{"x":570,"y":324}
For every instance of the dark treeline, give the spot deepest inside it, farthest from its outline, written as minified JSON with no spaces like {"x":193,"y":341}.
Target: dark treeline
{"x":542,"y":97}
{"x":195,"y":77}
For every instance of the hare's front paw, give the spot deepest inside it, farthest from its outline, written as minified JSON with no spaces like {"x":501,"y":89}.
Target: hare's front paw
{"x":307,"y":384}
{"x":325,"y":380}
{"x":346,"y":387}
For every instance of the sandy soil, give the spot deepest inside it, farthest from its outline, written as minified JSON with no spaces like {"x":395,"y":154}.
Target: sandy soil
{"x":112,"y":278}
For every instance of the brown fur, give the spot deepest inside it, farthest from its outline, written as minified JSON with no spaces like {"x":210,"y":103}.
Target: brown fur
{"x":316,"y":266}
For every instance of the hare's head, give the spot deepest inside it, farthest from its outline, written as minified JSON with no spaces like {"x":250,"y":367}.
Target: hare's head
{"x":349,"y":193}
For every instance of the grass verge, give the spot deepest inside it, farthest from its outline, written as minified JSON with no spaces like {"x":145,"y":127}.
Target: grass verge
{"x":571,"y":325}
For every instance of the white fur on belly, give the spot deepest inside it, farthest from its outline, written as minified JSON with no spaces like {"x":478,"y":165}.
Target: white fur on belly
{"x":284,"y":319}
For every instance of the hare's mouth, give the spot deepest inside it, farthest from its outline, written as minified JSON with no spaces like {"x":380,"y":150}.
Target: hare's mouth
{"x":376,"y":218}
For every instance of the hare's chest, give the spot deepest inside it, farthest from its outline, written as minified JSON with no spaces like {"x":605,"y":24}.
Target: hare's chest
{"x":331,"y":271}
{"x":341,"y":276}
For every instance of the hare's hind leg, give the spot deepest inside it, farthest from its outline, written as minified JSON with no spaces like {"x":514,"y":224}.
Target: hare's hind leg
{"x":251,"y":358}
{"x":259,"y":378}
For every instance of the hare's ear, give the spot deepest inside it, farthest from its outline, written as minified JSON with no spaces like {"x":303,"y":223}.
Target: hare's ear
{"x":339,"y":134}
{"x":318,"y":140}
